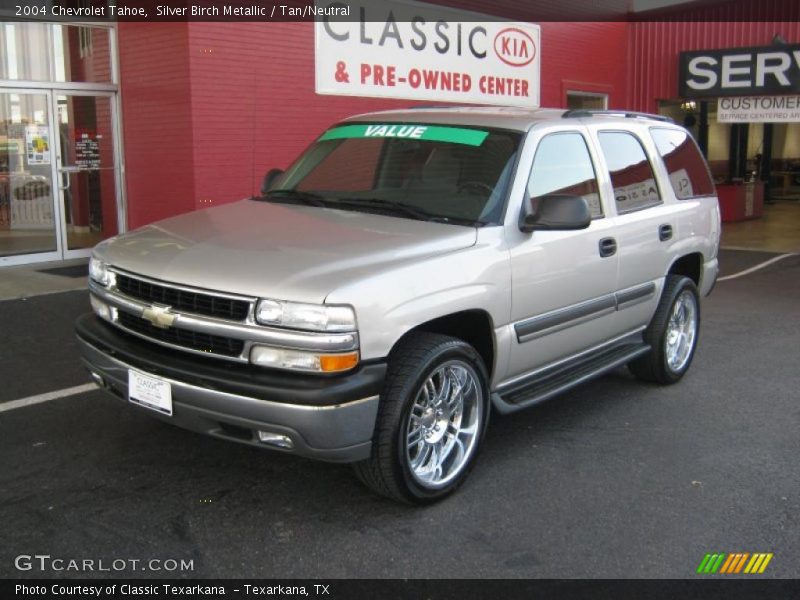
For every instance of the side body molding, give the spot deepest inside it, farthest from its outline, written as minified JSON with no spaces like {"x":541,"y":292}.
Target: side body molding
{"x":562,"y":318}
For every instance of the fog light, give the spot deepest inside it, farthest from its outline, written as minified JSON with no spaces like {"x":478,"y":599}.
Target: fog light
{"x":280,"y":358}
{"x":298,"y":360}
{"x":275,"y":439}
{"x":98,"y":379}
{"x":100,"y":308}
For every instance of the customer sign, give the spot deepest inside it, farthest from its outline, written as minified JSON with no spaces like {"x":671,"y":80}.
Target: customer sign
{"x":759,"y":109}
{"x":424,"y":52}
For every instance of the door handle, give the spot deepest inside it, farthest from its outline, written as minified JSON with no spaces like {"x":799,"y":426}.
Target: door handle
{"x":665,"y":232}
{"x":608,"y":247}
{"x":65,"y":176}
{"x":66,"y":180}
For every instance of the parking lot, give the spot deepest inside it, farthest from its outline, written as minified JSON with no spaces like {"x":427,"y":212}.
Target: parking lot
{"x":615,"y":479}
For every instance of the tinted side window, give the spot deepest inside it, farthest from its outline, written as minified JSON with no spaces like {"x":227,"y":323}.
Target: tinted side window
{"x":631,"y":174}
{"x":562,"y":165}
{"x":687,"y":168}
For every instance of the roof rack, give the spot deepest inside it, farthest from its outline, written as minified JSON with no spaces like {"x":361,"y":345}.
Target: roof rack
{"x":427,"y":106}
{"x":578,"y":113}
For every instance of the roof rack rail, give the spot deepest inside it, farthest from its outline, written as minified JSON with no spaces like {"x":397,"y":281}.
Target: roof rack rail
{"x":438,"y":105}
{"x":578,"y":113}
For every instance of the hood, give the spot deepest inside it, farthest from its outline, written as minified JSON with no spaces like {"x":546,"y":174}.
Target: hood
{"x":281,"y":251}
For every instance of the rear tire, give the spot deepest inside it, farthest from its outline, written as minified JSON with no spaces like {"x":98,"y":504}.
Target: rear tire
{"x":433,"y":413}
{"x":672,"y":333}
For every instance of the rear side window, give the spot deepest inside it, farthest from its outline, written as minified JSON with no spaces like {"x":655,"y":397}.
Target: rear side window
{"x":562,"y":165}
{"x":687,"y":169}
{"x":631,"y":174}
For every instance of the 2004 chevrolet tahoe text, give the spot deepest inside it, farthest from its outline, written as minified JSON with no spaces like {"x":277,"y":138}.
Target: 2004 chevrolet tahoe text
{"x":410,"y":271}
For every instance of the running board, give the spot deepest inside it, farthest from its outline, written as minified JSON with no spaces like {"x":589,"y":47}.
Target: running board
{"x":551,"y":382}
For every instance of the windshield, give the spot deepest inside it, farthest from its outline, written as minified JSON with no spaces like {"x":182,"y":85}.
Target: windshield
{"x":419,"y":171}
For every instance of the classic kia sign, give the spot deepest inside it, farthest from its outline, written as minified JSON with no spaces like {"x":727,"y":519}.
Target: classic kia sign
{"x":515,"y":47}
{"x":764,"y":70}
{"x":423,"y":52}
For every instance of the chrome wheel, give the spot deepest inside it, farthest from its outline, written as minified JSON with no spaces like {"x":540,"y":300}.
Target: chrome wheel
{"x":444,"y":424}
{"x":681,"y":331}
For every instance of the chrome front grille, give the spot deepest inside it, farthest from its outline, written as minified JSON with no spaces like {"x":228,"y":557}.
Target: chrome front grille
{"x":193,"y":340}
{"x":182,"y":299}
{"x":185,"y":303}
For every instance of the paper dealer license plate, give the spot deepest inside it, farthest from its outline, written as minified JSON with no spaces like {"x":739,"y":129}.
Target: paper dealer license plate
{"x":151,"y":392}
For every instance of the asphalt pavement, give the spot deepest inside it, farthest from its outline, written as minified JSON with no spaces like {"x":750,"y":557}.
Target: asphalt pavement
{"x":614,"y":479}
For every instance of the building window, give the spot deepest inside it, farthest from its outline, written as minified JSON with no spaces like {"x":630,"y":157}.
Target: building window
{"x":54,"y":52}
{"x":587,"y":100}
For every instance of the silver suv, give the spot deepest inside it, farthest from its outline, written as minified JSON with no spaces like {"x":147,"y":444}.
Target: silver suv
{"x":410,"y":271}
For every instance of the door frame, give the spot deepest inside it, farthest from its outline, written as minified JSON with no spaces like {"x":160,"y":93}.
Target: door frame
{"x":115,"y":133}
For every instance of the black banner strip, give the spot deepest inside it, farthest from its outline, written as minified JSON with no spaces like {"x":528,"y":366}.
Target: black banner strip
{"x":536,"y":11}
{"x":708,"y":588}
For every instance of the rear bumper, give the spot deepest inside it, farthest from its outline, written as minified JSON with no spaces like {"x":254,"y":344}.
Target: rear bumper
{"x":330,"y":419}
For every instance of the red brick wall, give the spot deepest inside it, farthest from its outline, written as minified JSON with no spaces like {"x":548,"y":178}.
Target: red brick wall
{"x":589,"y":57}
{"x":157,"y":120}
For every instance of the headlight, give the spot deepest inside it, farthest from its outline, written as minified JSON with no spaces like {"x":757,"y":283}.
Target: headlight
{"x":312,"y":317}
{"x":98,"y":271}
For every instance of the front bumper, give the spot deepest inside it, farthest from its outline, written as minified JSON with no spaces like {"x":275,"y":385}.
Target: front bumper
{"x":326,"y":418}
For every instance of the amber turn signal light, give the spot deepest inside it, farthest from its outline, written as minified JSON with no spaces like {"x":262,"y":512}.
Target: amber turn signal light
{"x":331,"y":363}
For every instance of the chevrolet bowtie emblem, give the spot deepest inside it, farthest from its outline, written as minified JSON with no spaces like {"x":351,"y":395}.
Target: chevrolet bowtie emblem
{"x":160,"y":316}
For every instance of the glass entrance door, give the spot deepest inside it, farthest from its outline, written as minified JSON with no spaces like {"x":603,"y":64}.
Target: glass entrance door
{"x":29,"y":220}
{"x":87,"y":169}
{"x":59,"y":175}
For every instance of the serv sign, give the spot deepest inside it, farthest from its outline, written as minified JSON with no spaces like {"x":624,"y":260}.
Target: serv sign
{"x":740,"y":71}
{"x":423,"y":52}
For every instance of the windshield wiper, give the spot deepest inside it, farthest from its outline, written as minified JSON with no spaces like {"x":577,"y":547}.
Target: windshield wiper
{"x":459,"y":221}
{"x":388,"y":205}
{"x":307,"y":197}
{"x":379,"y":204}
{"x":404,"y":209}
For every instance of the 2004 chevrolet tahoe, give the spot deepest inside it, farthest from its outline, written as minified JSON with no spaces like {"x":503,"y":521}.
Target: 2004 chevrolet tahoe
{"x":410,"y":271}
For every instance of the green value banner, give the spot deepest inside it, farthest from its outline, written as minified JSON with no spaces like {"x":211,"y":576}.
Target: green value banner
{"x":435,"y":133}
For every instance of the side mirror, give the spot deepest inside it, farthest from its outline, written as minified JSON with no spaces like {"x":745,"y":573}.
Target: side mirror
{"x":269,"y":179}
{"x":555,"y":212}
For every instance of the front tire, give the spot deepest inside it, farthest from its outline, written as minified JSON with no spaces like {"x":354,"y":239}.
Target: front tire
{"x":672,"y":333}
{"x":432,"y":417}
